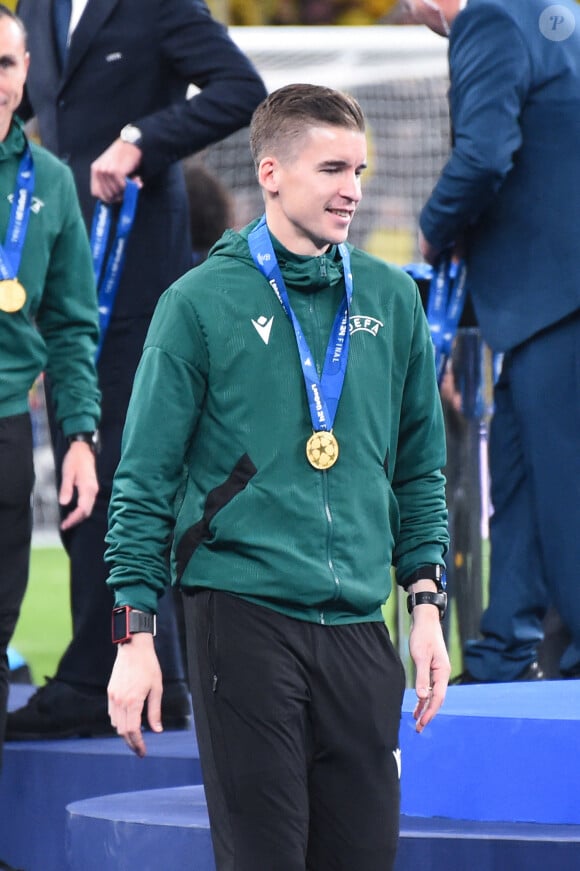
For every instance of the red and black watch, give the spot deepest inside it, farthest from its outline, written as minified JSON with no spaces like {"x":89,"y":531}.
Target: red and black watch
{"x":129,"y":621}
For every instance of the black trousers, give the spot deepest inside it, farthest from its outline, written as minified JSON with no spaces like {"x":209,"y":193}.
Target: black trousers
{"x":16,"y":485}
{"x":297,"y":726}
{"x":88,"y":659}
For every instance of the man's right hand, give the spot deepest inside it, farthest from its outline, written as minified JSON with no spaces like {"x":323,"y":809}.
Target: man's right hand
{"x":136,"y":677}
{"x":110,"y":170}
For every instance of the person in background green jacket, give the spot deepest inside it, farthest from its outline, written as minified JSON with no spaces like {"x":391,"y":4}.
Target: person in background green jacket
{"x":48,"y":322}
{"x":285,"y":434}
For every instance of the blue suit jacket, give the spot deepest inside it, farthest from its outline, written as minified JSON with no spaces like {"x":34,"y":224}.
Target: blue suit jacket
{"x":512,"y":184}
{"x":130,"y":61}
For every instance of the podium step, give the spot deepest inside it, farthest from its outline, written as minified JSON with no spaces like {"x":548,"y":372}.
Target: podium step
{"x":162,"y":829}
{"x":40,"y":778}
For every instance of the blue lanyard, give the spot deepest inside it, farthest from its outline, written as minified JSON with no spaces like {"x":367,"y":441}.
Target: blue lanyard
{"x":101,"y":227}
{"x":445,"y":303}
{"x":11,"y":251}
{"x":323,"y":393}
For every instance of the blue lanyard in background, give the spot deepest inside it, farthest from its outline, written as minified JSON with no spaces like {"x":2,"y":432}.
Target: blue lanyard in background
{"x":445,"y":304}
{"x":101,"y":227}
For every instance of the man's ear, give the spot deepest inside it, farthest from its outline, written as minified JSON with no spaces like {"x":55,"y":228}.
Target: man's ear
{"x":268,"y":174}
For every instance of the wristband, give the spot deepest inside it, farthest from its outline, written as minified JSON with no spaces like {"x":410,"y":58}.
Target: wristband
{"x":433,"y":572}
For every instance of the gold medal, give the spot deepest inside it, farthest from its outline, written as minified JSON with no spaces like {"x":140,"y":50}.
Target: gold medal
{"x":322,"y":450}
{"x":12,"y":295}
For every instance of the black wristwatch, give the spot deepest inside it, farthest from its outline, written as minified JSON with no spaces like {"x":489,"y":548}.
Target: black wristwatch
{"x":89,"y":438}
{"x":129,"y":621}
{"x":428,"y":597}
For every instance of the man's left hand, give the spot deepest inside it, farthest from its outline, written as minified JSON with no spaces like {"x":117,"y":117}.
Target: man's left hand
{"x":78,"y":472}
{"x":427,"y":648}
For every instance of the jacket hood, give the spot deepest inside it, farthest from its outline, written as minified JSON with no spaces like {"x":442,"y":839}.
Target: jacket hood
{"x":304,"y":272}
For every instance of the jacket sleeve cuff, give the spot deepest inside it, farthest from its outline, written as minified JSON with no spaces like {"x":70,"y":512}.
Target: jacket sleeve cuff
{"x":138,"y":596}
{"x":79,"y":423}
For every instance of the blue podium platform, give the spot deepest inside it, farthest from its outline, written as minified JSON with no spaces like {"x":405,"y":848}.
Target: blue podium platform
{"x":491,"y":785}
{"x":40,"y":778}
{"x":154,"y":830}
{"x":496,"y":752}
{"x":163,"y":829}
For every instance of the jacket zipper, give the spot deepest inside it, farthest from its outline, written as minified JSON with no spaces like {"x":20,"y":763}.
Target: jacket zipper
{"x":329,"y":537}
{"x":326,"y":503}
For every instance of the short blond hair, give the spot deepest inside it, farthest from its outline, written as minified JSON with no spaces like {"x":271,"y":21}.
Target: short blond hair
{"x":283,"y":117}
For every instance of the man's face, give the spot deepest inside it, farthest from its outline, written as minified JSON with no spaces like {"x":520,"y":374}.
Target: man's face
{"x":314,"y":189}
{"x":13,"y":68}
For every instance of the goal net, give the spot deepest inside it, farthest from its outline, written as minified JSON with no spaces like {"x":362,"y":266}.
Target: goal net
{"x":399,"y":76}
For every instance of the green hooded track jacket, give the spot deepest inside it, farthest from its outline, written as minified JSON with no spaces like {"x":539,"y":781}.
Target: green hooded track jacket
{"x":220,"y":385}
{"x":56,"y":331}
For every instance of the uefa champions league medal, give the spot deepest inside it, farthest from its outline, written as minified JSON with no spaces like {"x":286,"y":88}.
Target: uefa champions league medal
{"x":12,"y":295}
{"x":322,"y":450}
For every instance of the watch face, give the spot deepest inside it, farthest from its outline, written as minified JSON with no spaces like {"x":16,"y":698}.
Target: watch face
{"x":131,"y":134}
{"x":120,"y":627}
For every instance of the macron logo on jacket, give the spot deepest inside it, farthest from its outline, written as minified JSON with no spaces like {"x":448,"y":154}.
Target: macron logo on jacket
{"x":263,"y":327}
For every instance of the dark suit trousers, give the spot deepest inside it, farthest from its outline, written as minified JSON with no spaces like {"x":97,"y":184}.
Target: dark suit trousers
{"x":535,"y":528}
{"x":89,"y":658}
{"x":16,"y":484}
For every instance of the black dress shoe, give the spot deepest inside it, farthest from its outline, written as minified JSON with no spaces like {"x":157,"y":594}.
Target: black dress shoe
{"x":59,"y":710}
{"x":532,"y":672}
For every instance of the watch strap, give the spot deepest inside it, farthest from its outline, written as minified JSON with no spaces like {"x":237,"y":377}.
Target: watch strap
{"x":141,"y":621}
{"x":89,"y":438}
{"x":428,"y":597}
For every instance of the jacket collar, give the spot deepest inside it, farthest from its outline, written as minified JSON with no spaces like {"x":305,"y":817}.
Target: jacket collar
{"x":15,"y":142}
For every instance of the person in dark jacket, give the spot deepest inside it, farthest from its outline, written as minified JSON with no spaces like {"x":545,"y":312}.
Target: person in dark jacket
{"x":292,"y":377}
{"x":509,"y":195}
{"x":111,"y":101}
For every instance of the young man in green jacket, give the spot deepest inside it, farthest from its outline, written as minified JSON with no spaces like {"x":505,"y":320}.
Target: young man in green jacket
{"x":285,"y":430}
{"x":48,"y":322}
